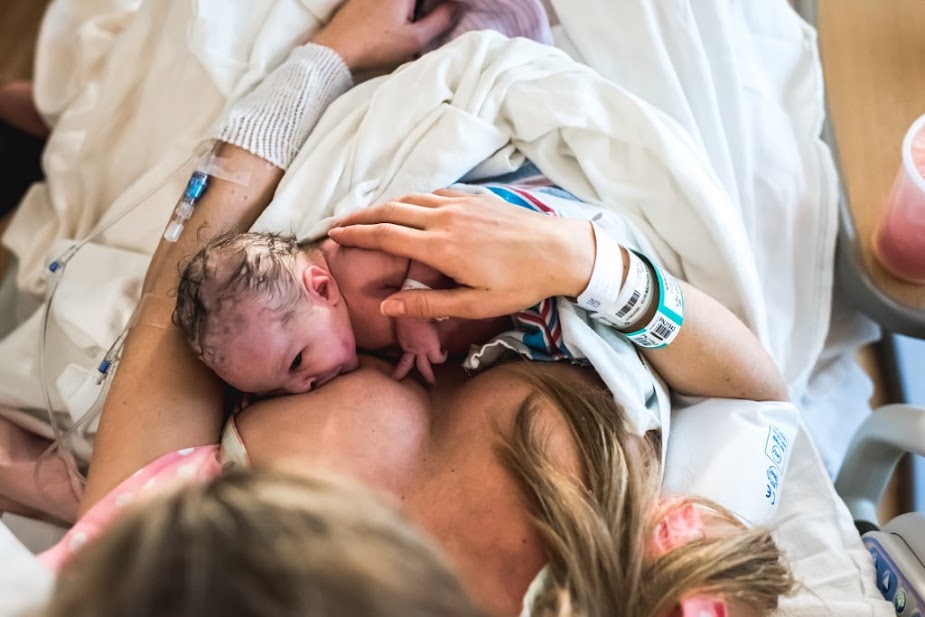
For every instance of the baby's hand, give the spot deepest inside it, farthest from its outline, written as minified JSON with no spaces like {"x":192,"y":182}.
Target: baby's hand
{"x":421,"y":346}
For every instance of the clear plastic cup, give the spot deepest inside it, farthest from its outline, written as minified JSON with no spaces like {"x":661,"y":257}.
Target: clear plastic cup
{"x":899,"y":242}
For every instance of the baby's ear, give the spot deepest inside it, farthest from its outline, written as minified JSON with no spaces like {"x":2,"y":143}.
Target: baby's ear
{"x":320,"y":285}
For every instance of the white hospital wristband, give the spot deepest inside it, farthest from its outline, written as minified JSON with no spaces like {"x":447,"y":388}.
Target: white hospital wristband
{"x":606,"y":277}
{"x":636,"y":296}
{"x":608,"y":301}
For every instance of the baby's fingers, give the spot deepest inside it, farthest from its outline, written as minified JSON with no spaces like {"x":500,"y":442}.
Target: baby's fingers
{"x":425,"y":369}
{"x":437,"y":356}
{"x":404,"y":366}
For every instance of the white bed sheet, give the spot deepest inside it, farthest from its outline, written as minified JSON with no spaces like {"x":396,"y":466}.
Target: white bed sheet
{"x":741,"y":75}
{"x":813,"y":526}
{"x":24,"y":582}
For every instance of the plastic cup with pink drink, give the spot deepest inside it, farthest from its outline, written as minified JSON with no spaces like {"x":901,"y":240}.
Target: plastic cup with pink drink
{"x":899,"y":242}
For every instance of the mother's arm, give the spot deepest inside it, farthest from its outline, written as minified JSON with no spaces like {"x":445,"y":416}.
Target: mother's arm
{"x":507,"y":258}
{"x":162,"y":398}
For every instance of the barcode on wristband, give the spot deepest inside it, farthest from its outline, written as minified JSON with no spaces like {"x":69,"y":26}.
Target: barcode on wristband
{"x":629,"y":305}
{"x":660,"y":332}
{"x":664,"y":329}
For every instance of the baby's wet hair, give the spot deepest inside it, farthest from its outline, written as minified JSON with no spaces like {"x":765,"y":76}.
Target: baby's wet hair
{"x":230,"y":266}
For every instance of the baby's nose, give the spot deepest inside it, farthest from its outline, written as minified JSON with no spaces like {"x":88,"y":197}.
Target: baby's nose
{"x":307,"y":384}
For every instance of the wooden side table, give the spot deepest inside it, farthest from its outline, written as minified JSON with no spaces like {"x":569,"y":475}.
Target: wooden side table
{"x":873,"y":58}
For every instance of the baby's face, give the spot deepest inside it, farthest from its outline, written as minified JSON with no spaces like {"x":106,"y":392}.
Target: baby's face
{"x":264,"y":354}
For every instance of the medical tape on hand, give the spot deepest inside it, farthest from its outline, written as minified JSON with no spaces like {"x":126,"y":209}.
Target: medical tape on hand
{"x":219,"y":168}
{"x":665,"y":325}
{"x":212,"y":167}
{"x":609,"y":301}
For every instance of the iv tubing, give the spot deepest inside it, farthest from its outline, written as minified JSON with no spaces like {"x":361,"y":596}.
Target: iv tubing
{"x":56,"y":269}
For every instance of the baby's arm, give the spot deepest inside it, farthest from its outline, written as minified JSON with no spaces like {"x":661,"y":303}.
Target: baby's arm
{"x":419,"y":338}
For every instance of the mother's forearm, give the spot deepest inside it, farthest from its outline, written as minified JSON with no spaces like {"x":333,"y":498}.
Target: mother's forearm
{"x":162,"y":397}
{"x":715,"y":354}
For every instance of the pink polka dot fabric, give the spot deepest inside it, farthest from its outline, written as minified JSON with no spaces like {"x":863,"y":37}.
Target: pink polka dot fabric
{"x":190,"y":465}
{"x":681,"y":525}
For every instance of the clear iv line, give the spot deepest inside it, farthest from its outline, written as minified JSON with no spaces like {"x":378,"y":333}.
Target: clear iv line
{"x":56,"y":268}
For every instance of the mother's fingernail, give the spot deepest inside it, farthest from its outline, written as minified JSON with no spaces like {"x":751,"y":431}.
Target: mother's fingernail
{"x":392,"y":307}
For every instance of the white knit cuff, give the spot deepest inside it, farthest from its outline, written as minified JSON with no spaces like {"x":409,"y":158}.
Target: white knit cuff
{"x":274,"y":120}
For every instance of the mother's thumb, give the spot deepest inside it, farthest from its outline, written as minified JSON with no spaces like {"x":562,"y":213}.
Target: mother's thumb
{"x":433,"y":304}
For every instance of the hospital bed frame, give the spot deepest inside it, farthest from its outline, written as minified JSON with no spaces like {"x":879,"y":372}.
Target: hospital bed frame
{"x":898,"y":549}
{"x":884,"y":437}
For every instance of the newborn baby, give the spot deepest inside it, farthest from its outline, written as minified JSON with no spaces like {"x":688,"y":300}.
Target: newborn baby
{"x":271,"y":315}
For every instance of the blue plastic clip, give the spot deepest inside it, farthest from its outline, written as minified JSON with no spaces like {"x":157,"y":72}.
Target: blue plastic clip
{"x":103,"y":368}
{"x":196,"y":186}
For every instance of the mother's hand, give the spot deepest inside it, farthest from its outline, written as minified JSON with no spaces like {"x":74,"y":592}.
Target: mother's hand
{"x":377,"y":34}
{"x":505,"y":258}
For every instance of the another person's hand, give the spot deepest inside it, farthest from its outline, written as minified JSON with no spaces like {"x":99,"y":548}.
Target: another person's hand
{"x":17,"y":108}
{"x":505,"y":258}
{"x":378,"y":34}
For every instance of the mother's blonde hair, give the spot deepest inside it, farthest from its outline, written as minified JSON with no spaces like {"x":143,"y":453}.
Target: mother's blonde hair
{"x":599,"y":534}
{"x":257,"y":544}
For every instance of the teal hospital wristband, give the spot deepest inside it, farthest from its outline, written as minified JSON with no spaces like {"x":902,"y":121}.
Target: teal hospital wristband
{"x":665,"y":325}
